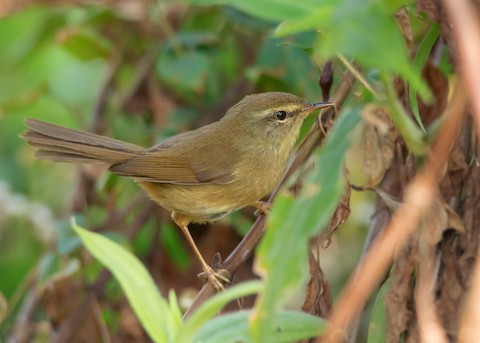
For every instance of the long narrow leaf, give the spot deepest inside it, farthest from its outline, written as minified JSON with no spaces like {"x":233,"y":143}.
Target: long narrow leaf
{"x":410,"y":132}
{"x":377,"y":328}
{"x":149,"y":306}
{"x":418,"y":62}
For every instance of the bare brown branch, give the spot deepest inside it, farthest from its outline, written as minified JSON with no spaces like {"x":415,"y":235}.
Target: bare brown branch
{"x":466,"y":29}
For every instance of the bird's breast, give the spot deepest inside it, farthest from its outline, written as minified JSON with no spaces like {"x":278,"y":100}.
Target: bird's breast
{"x":254,"y":178}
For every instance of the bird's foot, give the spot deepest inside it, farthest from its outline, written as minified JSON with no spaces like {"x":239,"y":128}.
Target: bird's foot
{"x":217,"y":278}
{"x":262,"y":207}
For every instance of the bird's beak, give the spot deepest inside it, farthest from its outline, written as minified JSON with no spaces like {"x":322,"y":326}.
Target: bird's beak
{"x":310,"y":107}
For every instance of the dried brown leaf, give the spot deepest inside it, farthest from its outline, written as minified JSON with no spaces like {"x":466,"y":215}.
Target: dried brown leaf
{"x":318,"y":300}
{"x":130,"y":328}
{"x":379,"y":144}
{"x":430,"y":234}
{"x":450,"y":287}
{"x":438,"y":84}
{"x":398,"y":300}
{"x":341,"y":214}
{"x":455,"y":174}
{"x":432,"y":8}
{"x":403,"y":22}
{"x":61,"y":299}
{"x":441,"y":218}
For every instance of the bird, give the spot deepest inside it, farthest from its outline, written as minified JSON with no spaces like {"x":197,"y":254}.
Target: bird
{"x":200,"y":175}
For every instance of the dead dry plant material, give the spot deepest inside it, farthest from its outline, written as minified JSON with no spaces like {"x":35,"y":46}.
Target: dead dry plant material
{"x":418,"y":198}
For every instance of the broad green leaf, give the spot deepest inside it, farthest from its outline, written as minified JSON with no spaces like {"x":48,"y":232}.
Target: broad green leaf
{"x":273,"y":10}
{"x":377,"y":329}
{"x":151,"y":309}
{"x":282,"y":255}
{"x":212,"y":306}
{"x":290,"y":326}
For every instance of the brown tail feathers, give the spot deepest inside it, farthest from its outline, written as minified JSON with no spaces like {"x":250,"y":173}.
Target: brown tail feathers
{"x":60,"y":144}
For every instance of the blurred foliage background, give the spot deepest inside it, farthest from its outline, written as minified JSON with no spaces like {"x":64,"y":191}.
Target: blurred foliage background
{"x":142,"y":71}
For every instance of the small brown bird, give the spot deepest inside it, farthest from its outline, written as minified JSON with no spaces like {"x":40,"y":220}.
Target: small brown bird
{"x":200,"y":175}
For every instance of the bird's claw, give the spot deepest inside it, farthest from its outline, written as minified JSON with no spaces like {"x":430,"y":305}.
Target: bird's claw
{"x":217,"y":278}
{"x":263,"y":208}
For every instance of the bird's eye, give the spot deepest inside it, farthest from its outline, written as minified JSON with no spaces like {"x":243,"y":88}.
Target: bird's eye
{"x":281,"y":115}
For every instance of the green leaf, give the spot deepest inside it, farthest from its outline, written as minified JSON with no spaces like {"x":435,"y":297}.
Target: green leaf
{"x":170,"y":240}
{"x":88,"y":76}
{"x":418,"y":63}
{"x":151,"y":309}
{"x":355,"y":29}
{"x":213,"y":306}
{"x":377,"y":329}
{"x":187,"y":72}
{"x":85,"y":45}
{"x":310,"y":21}
{"x":410,"y":132}
{"x":367,"y":29}
{"x":288,"y":64}
{"x":290,"y":326}
{"x":189,"y":40}
{"x":292,"y":222}
{"x":273,"y":10}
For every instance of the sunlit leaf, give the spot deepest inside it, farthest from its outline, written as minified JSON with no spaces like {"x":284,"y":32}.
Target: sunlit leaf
{"x":152,"y":310}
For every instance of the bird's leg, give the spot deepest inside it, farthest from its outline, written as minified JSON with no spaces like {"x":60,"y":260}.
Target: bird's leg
{"x":216,"y":278}
{"x":262,"y":208}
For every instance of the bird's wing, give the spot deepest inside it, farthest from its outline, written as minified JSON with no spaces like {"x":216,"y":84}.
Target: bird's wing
{"x":200,"y":161}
